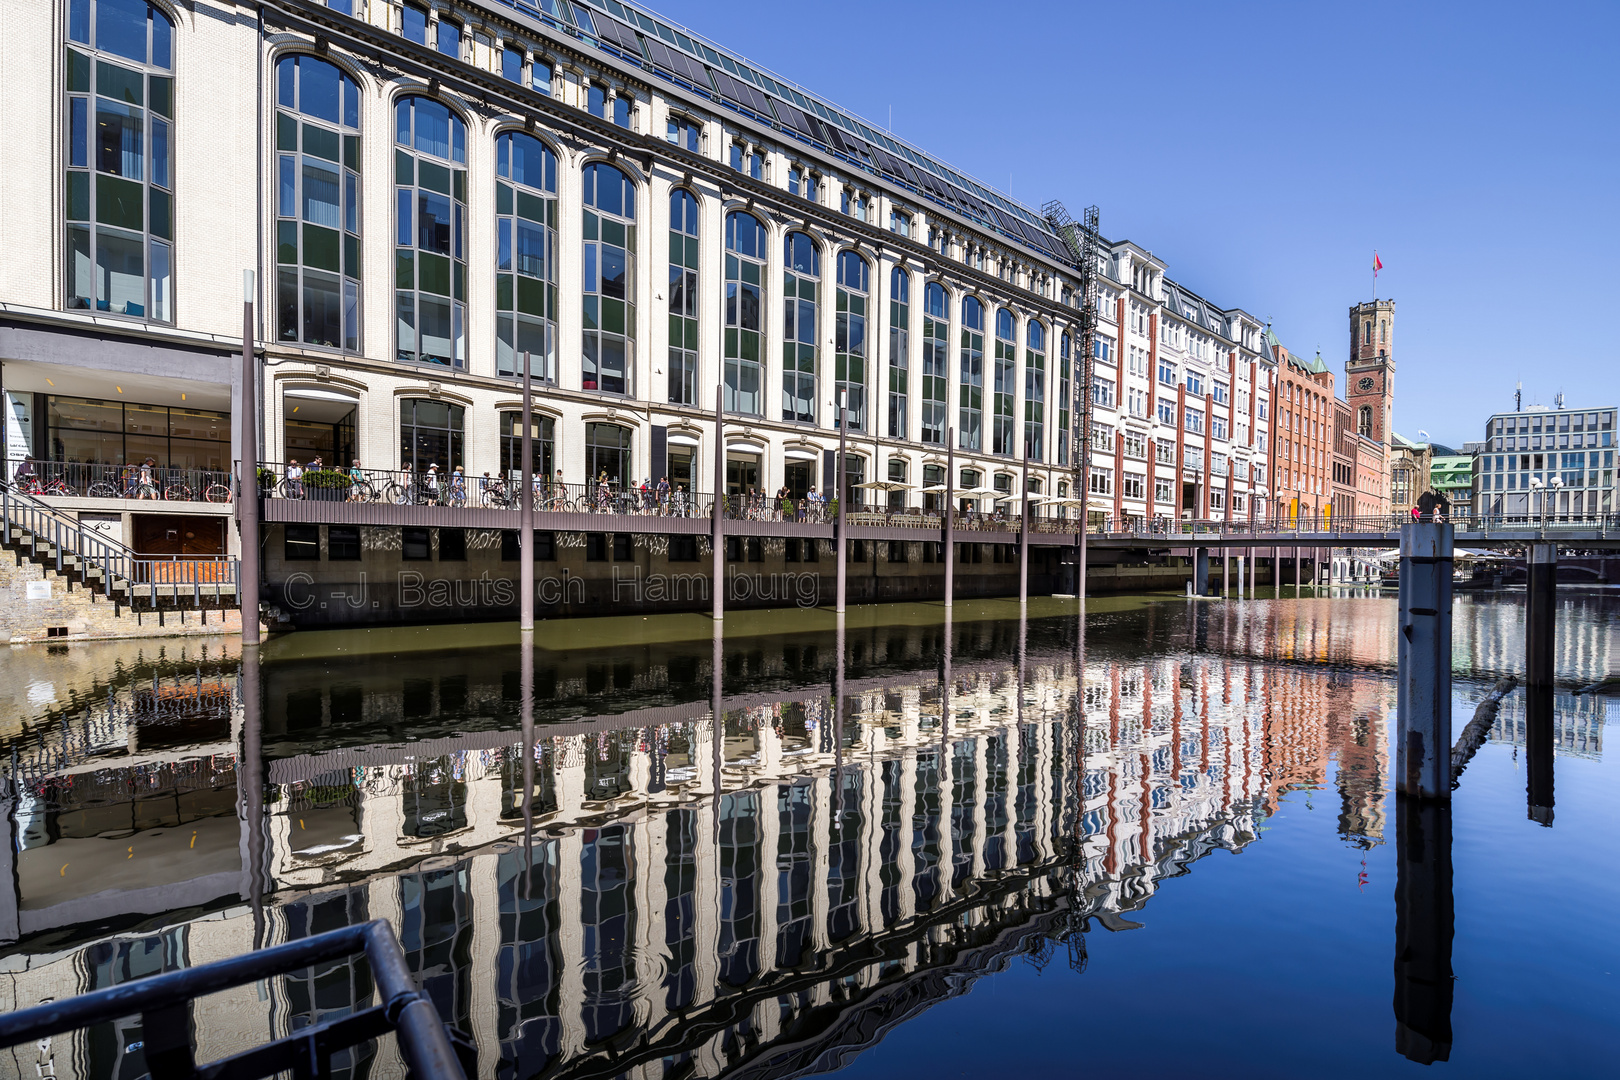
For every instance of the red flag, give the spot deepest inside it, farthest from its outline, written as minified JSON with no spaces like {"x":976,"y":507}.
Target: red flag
{"x":1378,"y":264}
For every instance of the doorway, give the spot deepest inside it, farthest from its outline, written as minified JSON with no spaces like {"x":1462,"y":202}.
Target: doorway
{"x":1189,"y":500}
{"x":318,"y":424}
{"x":798,"y":476}
{"x":742,"y":473}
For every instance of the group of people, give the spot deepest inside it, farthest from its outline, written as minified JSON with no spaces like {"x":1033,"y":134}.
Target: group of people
{"x":755,"y":505}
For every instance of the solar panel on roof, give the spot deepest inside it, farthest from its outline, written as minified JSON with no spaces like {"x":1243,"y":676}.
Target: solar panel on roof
{"x":618,"y":34}
{"x":793,"y":118}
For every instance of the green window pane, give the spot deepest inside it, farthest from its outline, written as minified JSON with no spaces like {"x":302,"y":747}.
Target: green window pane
{"x":630,"y":322}
{"x":503,"y":292}
{"x":78,"y":196}
{"x":162,"y":91}
{"x":691,"y":252}
{"x":750,"y":346}
{"x":731,"y":342}
{"x":351,"y":255}
{"x":118,"y":202}
{"x":433,"y":177}
{"x":551,"y":301}
{"x":589,"y":313}
{"x":531,"y":296}
{"x":434,"y":271}
{"x":531,"y":207}
{"x":460,"y":274}
{"x":162,"y":207}
{"x":590,"y":225}
{"x":320,"y":142}
{"x":351,"y":152}
{"x":551,"y":212}
{"x":503,"y":199}
{"x":78,"y":72}
{"x":613,"y":316}
{"x":751,"y":273}
{"x":287,"y":242}
{"x":403,"y":171}
{"x":677,"y":331}
{"x":120,"y":84}
{"x":404,"y":269}
{"x":460,"y":185}
{"x":613,"y":233}
{"x":321,"y":248}
{"x":286,"y":132}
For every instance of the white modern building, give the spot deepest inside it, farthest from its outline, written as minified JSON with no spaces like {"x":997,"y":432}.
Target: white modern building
{"x":1552,"y":461}
{"x":429,"y":192}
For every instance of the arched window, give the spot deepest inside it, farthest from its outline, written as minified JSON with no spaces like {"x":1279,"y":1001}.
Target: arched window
{"x":1065,"y":399}
{"x":610,"y":280}
{"x":1035,"y":392}
{"x":1364,"y":421}
{"x":607,"y":450}
{"x":849,"y":337}
{"x":801,"y":276}
{"x":1004,"y":385}
{"x":525,"y":256}
{"x":899,"y":343}
{"x":120,"y":169}
{"x":935,"y":362}
{"x":542,"y":446}
{"x":430,"y":433}
{"x":430,"y":188}
{"x":317,"y":204}
{"x":683,"y":297}
{"x":745,"y":275}
{"x":970,"y":432}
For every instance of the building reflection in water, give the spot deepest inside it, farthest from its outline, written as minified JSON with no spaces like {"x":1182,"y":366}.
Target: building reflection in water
{"x":765,"y":887}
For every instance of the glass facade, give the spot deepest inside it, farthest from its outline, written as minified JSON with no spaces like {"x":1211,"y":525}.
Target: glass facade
{"x":609,"y":285}
{"x":899,"y":361}
{"x":970,"y":432}
{"x":1006,"y":372}
{"x":91,"y":432}
{"x":1035,"y":392}
{"x":431,"y":433}
{"x":745,"y":314}
{"x":801,"y":278}
{"x":936,"y":361}
{"x":683,"y":297}
{"x":849,"y":337}
{"x":525,"y":256}
{"x":430,"y":267}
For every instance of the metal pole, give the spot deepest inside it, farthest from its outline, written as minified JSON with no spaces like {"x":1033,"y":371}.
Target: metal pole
{"x":1423,"y":745}
{"x":526,"y":508}
{"x":526,"y":719}
{"x":842,"y":487}
{"x":1541,"y":604}
{"x":950,"y":523}
{"x":250,"y":779}
{"x":1425,"y":922}
{"x":247,"y":503}
{"x":717,"y":540}
{"x":1023,"y":544}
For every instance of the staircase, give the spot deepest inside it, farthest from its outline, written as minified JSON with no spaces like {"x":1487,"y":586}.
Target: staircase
{"x":42,"y":535}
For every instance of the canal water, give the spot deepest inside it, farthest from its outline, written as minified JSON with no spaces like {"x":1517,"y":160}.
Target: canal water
{"x":985,"y":846}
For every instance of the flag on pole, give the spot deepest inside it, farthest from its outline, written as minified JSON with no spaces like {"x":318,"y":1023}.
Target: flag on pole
{"x":1378,"y":264}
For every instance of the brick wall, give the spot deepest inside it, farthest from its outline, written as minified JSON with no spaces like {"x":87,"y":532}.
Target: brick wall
{"x":77,"y":613}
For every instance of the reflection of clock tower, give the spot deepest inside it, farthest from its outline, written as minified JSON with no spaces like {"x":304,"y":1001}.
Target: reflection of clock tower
{"x":1370,"y":374}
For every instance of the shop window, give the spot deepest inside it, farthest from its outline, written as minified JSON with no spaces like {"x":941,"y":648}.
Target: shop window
{"x":302,"y":543}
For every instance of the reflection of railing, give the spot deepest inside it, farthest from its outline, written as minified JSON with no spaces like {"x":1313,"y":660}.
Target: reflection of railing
{"x":164,"y":1003}
{"x":54,"y":479}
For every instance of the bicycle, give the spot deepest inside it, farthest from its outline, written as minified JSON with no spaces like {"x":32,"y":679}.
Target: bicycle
{"x":217,"y":493}
{"x":104,"y":489}
{"x":178,"y":492}
{"x":291,"y":487}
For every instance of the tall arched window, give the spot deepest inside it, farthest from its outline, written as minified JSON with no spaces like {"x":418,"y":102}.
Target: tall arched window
{"x":899,"y":343}
{"x":745,"y":313}
{"x":801,"y":275}
{"x":525,"y":256}
{"x":542,"y":446}
{"x":1035,"y":392}
{"x":1006,"y":374}
{"x":1065,"y":395}
{"x":970,"y":433}
{"x":1364,"y":421}
{"x":849,"y":336}
{"x":610,"y":280}
{"x":317,"y":204}
{"x":430,"y":433}
{"x":683,"y":297}
{"x":935,"y":362}
{"x":607,"y":450}
{"x":430,"y":187}
{"x":120,"y":169}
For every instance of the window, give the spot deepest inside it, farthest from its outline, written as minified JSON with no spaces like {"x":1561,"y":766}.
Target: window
{"x":343,"y":543}
{"x":1102,"y":392}
{"x":1137,"y":402}
{"x":1364,"y":421}
{"x":318,"y":211}
{"x":745,"y":313}
{"x":413,"y":24}
{"x":1167,"y":373}
{"x":511,"y":64}
{"x":684,"y":132}
{"x":1133,"y":485}
{"x":803,"y":183}
{"x":450,"y":38}
{"x":899,"y":344}
{"x":607,"y":452}
{"x":1004,"y":381}
{"x":540,"y":75}
{"x":452,"y":545}
{"x":970,"y":434}
{"x":1102,"y":481}
{"x":431,"y":212}
{"x":526,"y":256}
{"x":1164,"y":452}
{"x":430,"y":433}
{"x":849,"y":336}
{"x":899,"y":223}
{"x":621,"y":110}
{"x":609,"y":285}
{"x":1136,"y":445}
{"x":1221,"y":393}
{"x":1161,"y":491}
{"x":120,"y":168}
{"x":596,"y":100}
{"x":1195,"y":383}
{"x":1035,"y":392}
{"x":542,"y":446}
{"x":1167,"y":411}
{"x":897,"y":474}
{"x":301,"y":543}
{"x":1217,"y":427}
{"x":1102,"y":348}
{"x":935,"y":331}
{"x":683,"y":298}
{"x":801,"y":276}
{"x":1065,"y":398}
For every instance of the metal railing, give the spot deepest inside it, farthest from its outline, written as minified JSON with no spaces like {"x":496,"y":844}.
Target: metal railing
{"x":55,"y":479}
{"x":406,"y":487}
{"x":162,"y":1002}
{"x":120,"y":569}
{"x":1311,"y":524}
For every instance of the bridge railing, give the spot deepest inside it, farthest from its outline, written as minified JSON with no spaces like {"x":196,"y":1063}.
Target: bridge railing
{"x":135,"y":480}
{"x":1320,"y":525}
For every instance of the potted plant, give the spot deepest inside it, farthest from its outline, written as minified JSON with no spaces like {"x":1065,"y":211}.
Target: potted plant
{"x":327,"y":485}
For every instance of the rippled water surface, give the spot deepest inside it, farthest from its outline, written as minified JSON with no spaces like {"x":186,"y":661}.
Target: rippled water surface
{"x":911,"y":847}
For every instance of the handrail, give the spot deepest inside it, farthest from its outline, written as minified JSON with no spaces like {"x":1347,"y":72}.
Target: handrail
{"x":161,"y":1001}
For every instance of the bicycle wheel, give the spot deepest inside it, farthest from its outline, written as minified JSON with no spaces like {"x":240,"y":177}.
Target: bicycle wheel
{"x":103,"y":490}
{"x":217,"y":493}
{"x":59,"y":487}
{"x":177,"y":493}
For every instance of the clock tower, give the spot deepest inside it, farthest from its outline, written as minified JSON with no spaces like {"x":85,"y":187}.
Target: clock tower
{"x":1370,"y":373}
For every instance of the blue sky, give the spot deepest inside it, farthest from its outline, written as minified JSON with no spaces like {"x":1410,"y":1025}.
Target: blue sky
{"x":1265,"y":150}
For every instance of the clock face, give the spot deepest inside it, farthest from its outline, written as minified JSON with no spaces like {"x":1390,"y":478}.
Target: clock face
{"x":1366,"y":383}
